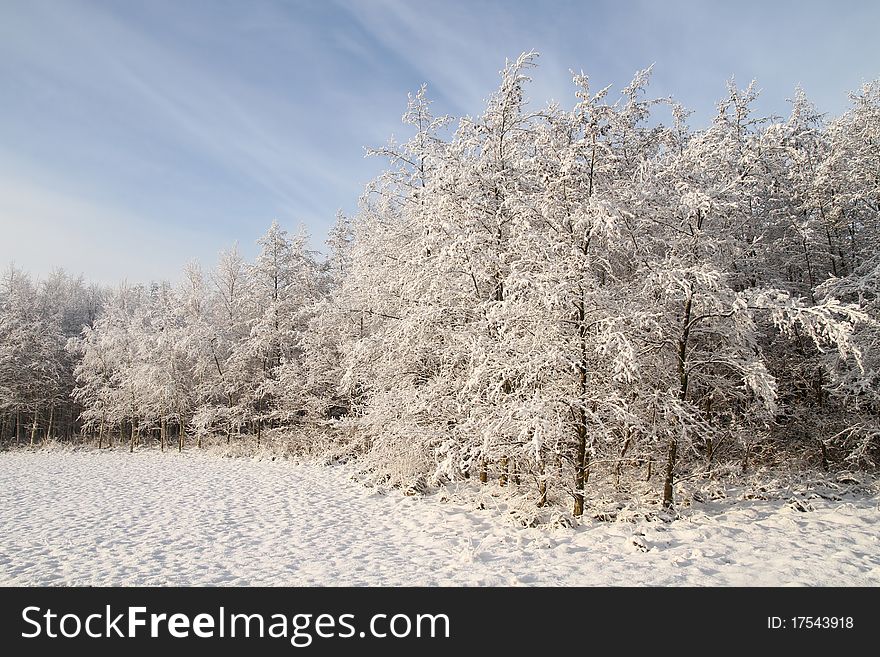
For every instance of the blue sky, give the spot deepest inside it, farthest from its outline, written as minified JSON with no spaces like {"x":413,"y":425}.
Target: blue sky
{"x":135,"y":136}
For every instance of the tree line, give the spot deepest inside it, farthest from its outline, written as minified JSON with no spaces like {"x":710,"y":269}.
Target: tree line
{"x":556,"y":300}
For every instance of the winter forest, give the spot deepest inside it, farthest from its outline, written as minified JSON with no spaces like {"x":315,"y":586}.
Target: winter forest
{"x":555,"y":301}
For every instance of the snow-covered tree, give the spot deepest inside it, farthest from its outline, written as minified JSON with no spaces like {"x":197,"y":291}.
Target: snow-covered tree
{"x":539,"y":296}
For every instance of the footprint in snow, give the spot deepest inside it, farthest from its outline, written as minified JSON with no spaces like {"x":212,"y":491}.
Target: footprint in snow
{"x":640,"y":543}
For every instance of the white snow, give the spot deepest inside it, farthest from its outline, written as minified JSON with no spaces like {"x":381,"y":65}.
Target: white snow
{"x":80,"y":518}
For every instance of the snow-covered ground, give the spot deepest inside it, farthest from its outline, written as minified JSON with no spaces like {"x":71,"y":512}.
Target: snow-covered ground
{"x":86,"y":518}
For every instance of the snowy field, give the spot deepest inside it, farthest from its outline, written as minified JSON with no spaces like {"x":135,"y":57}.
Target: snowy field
{"x":80,"y":518}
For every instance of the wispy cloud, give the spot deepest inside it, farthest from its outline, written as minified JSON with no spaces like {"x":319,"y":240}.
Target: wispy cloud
{"x":216,"y":118}
{"x":50,"y":229}
{"x":130,"y":101}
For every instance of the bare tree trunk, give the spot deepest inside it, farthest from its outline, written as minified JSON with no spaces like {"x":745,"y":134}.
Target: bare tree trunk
{"x":259,"y":422}
{"x":101,"y":431}
{"x":542,"y":488}
{"x":580,"y":461}
{"x":669,"y":478}
{"x":18,"y":425}
{"x":162,"y":434}
{"x":484,"y":473}
{"x":650,"y":469}
{"x":619,"y":465}
{"x":502,"y":479}
{"x":670,"y":472}
{"x":580,"y":467}
{"x":49,"y":428}
{"x":134,"y":423}
{"x":181,"y":435}
{"x":34,"y":427}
